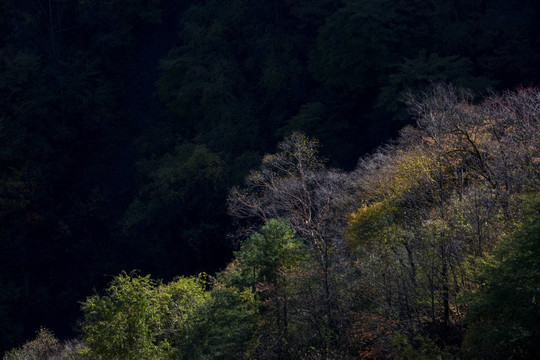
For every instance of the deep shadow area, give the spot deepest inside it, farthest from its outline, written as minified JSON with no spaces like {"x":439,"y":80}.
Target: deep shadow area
{"x":124,"y":124}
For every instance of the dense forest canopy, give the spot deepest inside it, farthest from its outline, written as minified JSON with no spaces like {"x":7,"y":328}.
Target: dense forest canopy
{"x":185,"y":137}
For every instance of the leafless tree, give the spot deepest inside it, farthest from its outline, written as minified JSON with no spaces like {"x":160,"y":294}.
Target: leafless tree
{"x":293,"y":184}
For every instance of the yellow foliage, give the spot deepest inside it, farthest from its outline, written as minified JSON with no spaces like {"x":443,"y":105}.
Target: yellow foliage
{"x":409,"y":175}
{"x":371,"y":224}
{"x":411,"y":171}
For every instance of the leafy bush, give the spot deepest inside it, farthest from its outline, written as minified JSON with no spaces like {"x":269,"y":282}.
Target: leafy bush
{"x":140,"y":318}
{"x":46,"y":347}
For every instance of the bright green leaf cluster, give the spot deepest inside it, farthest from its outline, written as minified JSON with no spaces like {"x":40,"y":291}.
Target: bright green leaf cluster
{"x":140,"y":318}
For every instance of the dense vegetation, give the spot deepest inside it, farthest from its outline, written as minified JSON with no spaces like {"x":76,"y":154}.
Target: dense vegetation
{"x":131,"y":128}
{"x":429,"y":249}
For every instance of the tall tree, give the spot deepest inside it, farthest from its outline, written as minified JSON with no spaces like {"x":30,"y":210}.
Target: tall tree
{"x":504,"y":316}
{"x":293,"y":184}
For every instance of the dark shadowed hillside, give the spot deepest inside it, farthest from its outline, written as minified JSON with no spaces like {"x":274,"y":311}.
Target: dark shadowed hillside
{"x":126,"y":125}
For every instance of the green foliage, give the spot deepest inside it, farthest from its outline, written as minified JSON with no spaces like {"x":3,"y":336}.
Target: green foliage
{"x":431,"y":207}
{"x":228,"y":322}
{"x":265,"y":256}
{"x":176,"y":203}
{"x":419,"y":348}
{"x":140,"y":318}
{"x":119,"y":17}
{"x":418,"y":73}
{"x":123,"y":324}
{"x":23,"y":80}
{"x":205,"y":81}
{"x":173,"y":179}
{"x":78,"y":120}
{"x":272,"y":250}
{"x":503,"y":316}
{"x":353,"y":46}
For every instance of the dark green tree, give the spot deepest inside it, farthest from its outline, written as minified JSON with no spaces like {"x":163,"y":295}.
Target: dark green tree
{"x":504,"y":315}
{"x":177,"y":211}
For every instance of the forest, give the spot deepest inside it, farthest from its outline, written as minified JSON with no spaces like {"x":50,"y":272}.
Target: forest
{"x":257,"y":179}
